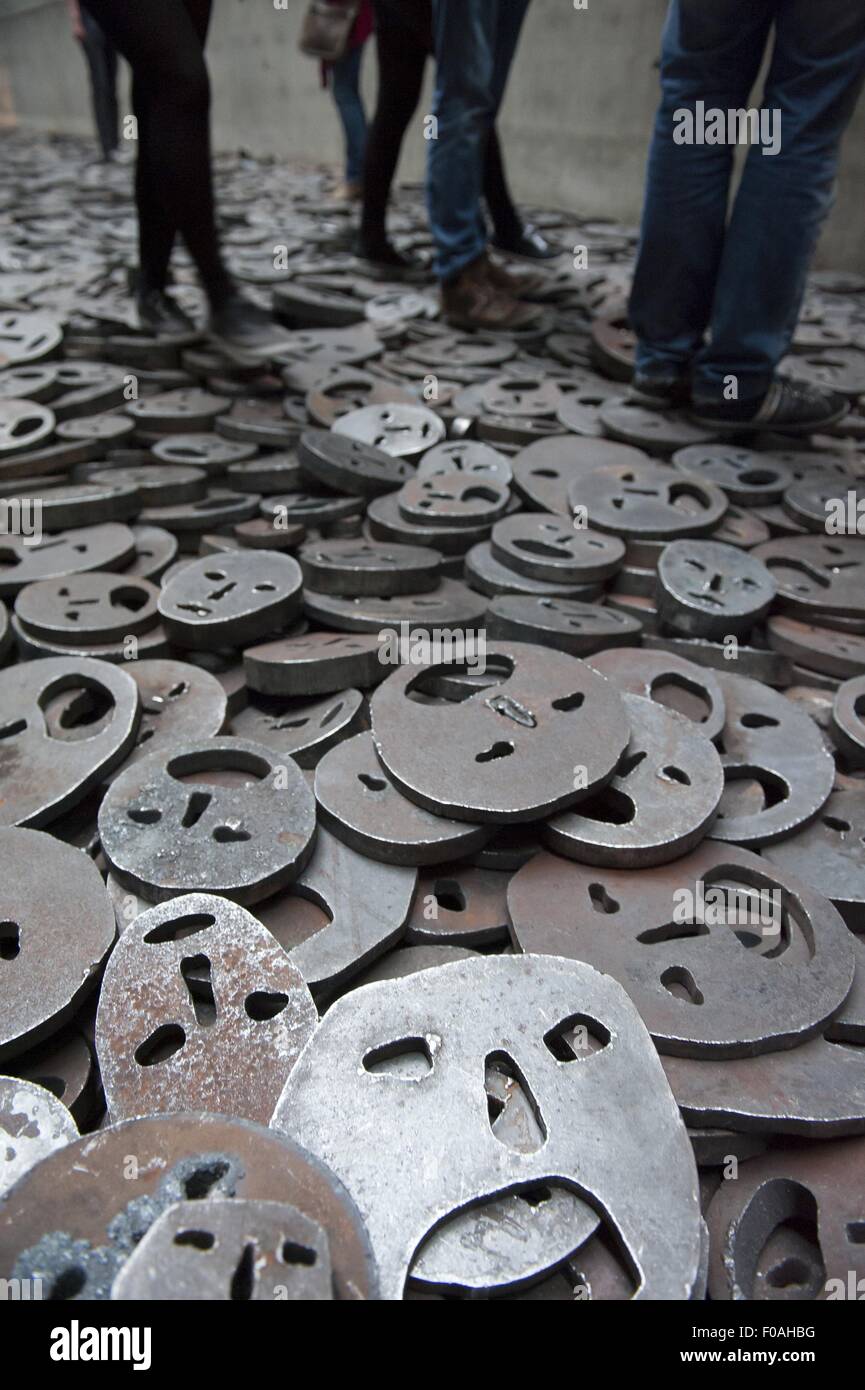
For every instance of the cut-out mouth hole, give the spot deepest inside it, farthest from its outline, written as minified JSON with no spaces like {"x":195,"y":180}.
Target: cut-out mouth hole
{"x":493,"y":754}
{"x":14,"y":729}
{"x":144,"y":816}
{"x":230,"y":835}
{"x":406,"y":1059}
{"x":161,"y":1046}
{"x":10,"y":940}
{"x":179,"y":927}
{"x":373,"y":784}
{"x":264,"y":1005}
{"x":199,"y":1184}
{"x":601,"y":900}
{"x":449,"y":895}
{"x":610,"y":807}
{"x":576,"y":1038}
{"x":197,"y":1240}
{"x":681,"y":984}
{"x":683,"y":696}
{"x":792,"y":1273}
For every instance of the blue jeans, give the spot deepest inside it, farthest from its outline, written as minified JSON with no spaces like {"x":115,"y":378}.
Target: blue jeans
{"x":741,"y":279}
{"x":349,"y":104}
{"x":475,"y":42}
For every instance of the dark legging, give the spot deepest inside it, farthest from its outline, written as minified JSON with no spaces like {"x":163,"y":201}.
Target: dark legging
{"x":101,"y":58}
{"x":163,"y":42}
{"x":404,"y":42}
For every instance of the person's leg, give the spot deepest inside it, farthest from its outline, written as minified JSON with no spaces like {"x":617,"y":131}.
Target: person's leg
{"x":163,"y":44}
{"x":345,"y":79}
{"x":507,"y":223}
{"x":403,"y":43}
{"x":816,"y":76}
{"x":102,"y":63}
{"x":712,"y":54}
{"x":464,"y":37}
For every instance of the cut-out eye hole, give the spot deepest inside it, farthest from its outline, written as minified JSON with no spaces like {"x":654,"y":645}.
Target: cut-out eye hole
{"x":843,"y":827}
{"x":10,"y":940}
{"x":293,"y":1254}
{"x":198,"y":1240}
{"x":630,"y":762}
{"x":145,"y":816}
{"x":265,"y":1005}
{"x":576,"y":1038}
{"x":675,"y":774}
{"x":568,"y":703}
{"x":230,"y":835}
{"x":178,"y":927}
{"x":758,"y":721}
{"x":856,"y":1232}
{"x":681,"y":984}
{"x":161,"y":1046}
{"x":406,"y":1059}
{"x":449,"y":895}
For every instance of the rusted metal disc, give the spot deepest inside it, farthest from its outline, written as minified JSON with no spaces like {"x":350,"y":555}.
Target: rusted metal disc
{"x":56,"y":927}
{"x":368,"y":569}
{"x":670,"y":680}
{"x":218,"y":815}
{"x":45,"y":775}
{"x":317,"y":664}
{"x":95,"y":607}
{"x":75,"y":1218}
{"x":777,"y":769}
{"x":32,"y":1125}
{"x":787,"y":1228}
{"x":302,"y":729}
{"x":661,"y":802}
{"x":218,"y":1251}
{"x":648,"y":501}
{"x":707,"y":589}
{"x":563,"y":623}
{"x":232,"y":600}
{"x":497,"y":756}
{"x":361,"y":805}
{"x":199,"y":1005}
{"x":723,"y":954}
{"x":547,"y":547}
{"x":848,"y":720}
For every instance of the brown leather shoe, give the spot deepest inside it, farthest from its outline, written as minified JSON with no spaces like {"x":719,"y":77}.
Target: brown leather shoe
{"x":517,"y":283}
{"x":473,"y":301}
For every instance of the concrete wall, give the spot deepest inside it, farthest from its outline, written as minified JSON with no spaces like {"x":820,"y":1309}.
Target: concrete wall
{"x":575,"y":124}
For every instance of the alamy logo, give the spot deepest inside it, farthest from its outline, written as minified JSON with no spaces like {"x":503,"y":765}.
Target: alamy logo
{"x":714,"y":126}
{"x":21,"y":1290}
{"x":77,"y":1343}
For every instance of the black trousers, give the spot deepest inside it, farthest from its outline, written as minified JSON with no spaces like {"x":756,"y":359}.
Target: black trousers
{"x":163,"y":42}
{"x":404,"y":43}
{"x":101,"y":58}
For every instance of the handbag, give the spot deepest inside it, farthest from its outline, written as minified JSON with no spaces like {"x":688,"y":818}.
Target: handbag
{"x":326,"y":29}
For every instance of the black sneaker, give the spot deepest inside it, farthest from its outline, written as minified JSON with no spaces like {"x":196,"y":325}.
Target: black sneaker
{"x":529,"y":243}
{"x":660,"y":393}
{"x":245,"y":333}
{"x":160,"y":315}
{"x":789,"y":407}
{"x":382,"y":256}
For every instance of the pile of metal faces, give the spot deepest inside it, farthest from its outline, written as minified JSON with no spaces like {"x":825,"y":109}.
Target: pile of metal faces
{"x":432,"y":788}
